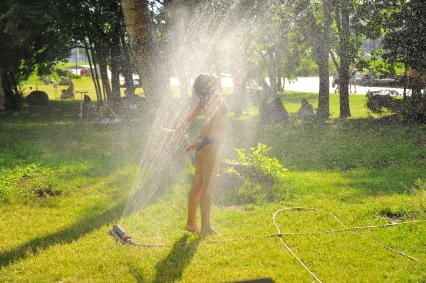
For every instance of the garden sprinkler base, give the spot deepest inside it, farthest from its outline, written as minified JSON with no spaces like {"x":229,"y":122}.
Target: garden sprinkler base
{"x":120,"y":235}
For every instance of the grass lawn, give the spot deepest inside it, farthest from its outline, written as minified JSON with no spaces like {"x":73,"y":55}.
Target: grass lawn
{"x":291,"y":99}
{"x":364,"y":170}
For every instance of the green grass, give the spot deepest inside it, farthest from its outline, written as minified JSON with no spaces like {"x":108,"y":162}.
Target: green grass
{"x":361,"y":170}
{"x":83,"y":84}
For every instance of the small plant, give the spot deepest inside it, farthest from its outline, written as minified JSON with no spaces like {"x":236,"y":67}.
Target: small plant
{"x":258,"y":173}
{"x":258,"y":161}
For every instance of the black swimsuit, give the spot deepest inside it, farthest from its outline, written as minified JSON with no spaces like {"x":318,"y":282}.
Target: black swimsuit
{"x":204,"y":142}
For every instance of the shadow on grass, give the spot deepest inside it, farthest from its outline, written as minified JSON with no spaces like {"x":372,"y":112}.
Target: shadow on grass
{"x":171,"y":268}
{"x":67,"y":235}
{"x":392,"y":180}
{"x":62,"y":110}
{"x":137,"y":273}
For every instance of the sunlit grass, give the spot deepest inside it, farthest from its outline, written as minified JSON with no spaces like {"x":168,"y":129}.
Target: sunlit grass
{"x":358,"y":169}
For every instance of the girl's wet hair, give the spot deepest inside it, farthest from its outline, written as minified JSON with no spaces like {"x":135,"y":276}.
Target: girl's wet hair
{"x":205,"y":85}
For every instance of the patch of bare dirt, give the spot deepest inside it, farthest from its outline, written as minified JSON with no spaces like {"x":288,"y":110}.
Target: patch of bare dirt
{"x":46,"y":192}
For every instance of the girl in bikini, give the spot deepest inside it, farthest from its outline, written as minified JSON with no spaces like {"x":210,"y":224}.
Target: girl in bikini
{"x":205,"y":146}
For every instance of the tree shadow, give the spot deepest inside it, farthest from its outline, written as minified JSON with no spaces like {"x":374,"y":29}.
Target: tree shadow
{"x":65,"y":236}
{"x":386,"y":180}
{"x":171,"y":268}
{"x":137,"y":273}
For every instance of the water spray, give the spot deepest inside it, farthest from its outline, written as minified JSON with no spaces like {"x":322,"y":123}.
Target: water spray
{"x":117,"y":232}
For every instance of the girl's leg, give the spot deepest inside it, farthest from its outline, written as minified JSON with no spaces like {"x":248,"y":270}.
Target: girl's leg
{"x":194,"y":200}
{"x":209,"y":169}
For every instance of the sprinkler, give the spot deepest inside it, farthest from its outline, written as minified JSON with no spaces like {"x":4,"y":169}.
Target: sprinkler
{"x":120,"y":235}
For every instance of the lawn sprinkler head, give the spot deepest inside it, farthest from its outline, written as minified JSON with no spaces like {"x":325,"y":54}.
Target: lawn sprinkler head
{"x":120,"y":235}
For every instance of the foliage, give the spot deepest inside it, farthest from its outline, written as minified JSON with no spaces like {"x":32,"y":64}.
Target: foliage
{"x":260,"y":162}
{"x":308,"y":68}
{"x":378,"y":103}
{"x":404,"y":39}
{"x":259,"y":171}
{"x":412,"y":109}
{"x":30,"y":40}
{"x":400,"y":25}
{"x":63,"y":72}
{"x":379,"y":65}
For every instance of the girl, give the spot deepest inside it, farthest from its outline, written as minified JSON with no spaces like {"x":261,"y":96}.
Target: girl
{"x":205,"y":146}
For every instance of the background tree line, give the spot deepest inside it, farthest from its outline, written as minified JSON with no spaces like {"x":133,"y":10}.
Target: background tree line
{"x":156,"y":38}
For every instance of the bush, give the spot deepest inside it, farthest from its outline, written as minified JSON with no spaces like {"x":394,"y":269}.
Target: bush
{"x":412,"y":109}
{"x":62,"y":72}
{"x":258,"y":161}
{"x":252,"y":177}
{"x":37,"y":97}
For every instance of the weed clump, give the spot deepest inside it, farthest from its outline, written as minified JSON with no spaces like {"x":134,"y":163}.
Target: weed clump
{"x":27,"y":182}
{"x":251,"y":178}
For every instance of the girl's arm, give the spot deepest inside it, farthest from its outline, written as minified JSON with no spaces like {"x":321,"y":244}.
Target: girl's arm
{"x":190,"y":118}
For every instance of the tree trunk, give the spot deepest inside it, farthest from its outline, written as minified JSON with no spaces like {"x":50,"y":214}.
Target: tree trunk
{"x":115,"y":66}
{"x":240,"y":91}
{"x":13,"y":100}
{"x":104,"y":77}
{"x":324,"y":86}
{"x":345,"y":60}
{"x":145,"y":49}
{"x":95,"y":70}
{"x":280,"y":83}
{"x":261,"y":81}
{"x":322,"y":51}
{"x":404,"y":94}
{"x":92,"y":73}
{"x":272,"y":72}
{"x":2,"y":96}
{"x":127,"y":68}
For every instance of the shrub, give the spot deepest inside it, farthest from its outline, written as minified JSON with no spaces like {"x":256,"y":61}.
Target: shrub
{"x":258,"y":161}
{"x":412,"y":109}
{"x":252,"y":177}
{"x":378,"y":103}
{"x":63,"y":72}
{"x":37,"y":97}
{"x":75,"y":76}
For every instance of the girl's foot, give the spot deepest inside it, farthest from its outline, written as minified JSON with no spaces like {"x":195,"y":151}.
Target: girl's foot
{"x":192,"y":228}
{"x":208,"y":232}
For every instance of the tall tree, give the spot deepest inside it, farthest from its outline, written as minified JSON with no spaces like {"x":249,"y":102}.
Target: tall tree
{"x":30,"y":41}
{"x":2,"y":98}
{"x":145,"y":48}
{"x":342,"y":10}
{"x":314,"y":21}
{"x":401,"y":26}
